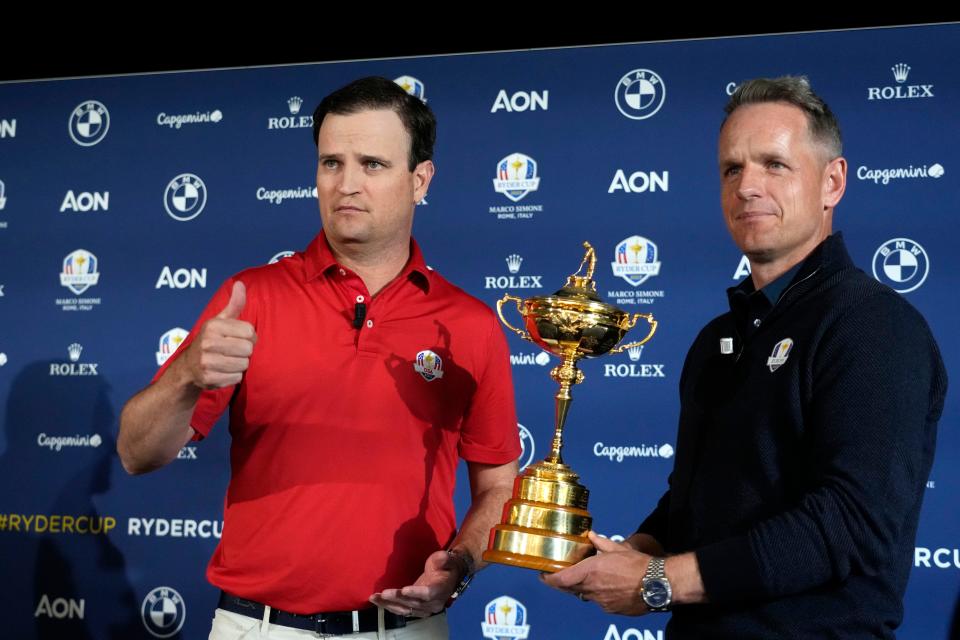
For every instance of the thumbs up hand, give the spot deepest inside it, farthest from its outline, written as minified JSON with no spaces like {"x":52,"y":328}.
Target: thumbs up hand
{"x":220,"y":354}
{"x":238,"y":299}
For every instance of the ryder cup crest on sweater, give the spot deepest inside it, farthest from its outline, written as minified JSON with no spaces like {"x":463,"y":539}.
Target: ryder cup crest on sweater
{"x":781,"y":351}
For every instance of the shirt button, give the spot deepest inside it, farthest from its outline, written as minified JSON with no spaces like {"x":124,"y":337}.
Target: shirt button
{"x":359,"y":298}
{"x":342,"y":272}
{"x":756,"y":322}
{"x":369,"y":324}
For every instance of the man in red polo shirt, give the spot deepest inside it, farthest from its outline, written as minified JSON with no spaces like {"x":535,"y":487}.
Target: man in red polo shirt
{"x":355,"y":377}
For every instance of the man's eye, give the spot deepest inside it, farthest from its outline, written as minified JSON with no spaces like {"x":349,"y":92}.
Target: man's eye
{"x":731,"y":171}
{"x":374,"y":164}
{"x":330,"y":164}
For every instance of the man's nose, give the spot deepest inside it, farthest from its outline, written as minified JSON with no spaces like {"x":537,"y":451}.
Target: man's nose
{"x":351,"y":179}
{"x":750,"y":183}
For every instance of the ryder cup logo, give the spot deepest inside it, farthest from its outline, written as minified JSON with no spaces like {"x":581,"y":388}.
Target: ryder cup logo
{"x":185,"y":197}
{"x":412,"y":86}
{"x":781,"y":351}
{"x":901,"y":264}
{"x":636,"y":260}
{"x":89,"y":123}
{"x":169,"y":342}
{"x":640,"y":94}
{"x":506,"y":620}
{"x":79,"y":271}
{"x":429,"y":365}
{"x":526,"y":446}
{"x":163,"y":612}
{"x":516,"y":176}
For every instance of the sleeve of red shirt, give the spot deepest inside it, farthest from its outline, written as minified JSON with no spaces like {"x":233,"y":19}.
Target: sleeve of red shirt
{"x":212,"y":403}
{"x":489,"y":433}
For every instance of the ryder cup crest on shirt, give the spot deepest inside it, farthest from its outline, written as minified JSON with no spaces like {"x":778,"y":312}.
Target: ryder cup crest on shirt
{"x":429,"y":365}
{"x":781,"y":351}
{"x":505,"y":619}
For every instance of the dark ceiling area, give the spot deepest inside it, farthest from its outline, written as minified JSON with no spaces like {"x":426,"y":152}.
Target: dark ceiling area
{"x":69,"y":52}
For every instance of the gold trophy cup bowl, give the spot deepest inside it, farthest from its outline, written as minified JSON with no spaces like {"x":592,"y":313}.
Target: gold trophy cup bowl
{"x":545,"y":523}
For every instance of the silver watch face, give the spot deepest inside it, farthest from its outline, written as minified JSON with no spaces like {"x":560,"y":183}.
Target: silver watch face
{"x":656,"y":592}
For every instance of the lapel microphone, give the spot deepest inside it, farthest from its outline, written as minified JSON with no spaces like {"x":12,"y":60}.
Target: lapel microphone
{"x":359,"y":313}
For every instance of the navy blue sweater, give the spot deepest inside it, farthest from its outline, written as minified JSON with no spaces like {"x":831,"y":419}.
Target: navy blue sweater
{"x":802,"y":457}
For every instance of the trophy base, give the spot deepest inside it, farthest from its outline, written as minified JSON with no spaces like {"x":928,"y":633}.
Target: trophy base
{"x":545,"y":524}
{"x":536,"y":549}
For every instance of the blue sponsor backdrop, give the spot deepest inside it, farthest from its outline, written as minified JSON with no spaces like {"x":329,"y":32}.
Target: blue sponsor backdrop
{"x":615,"y":145}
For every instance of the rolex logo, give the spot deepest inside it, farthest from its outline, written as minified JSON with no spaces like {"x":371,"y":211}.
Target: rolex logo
{"x":295,"y":103}
{"x":74,"y":368}
{"x":635,"y":353}
{"x":900,"y":72}
{"x":900,"y":90}
{"x":513,"y":262}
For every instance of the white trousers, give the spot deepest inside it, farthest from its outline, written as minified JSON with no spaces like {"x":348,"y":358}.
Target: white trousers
{"x":233,"y":626}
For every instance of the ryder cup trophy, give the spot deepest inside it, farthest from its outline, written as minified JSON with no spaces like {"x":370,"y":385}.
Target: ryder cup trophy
{"x":545,"y":524}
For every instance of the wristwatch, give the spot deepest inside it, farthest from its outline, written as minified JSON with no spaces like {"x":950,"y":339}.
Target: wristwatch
{"x":655,"y":587}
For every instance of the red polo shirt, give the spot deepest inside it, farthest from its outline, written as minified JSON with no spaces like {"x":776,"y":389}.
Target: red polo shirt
{"x":345,"y":441}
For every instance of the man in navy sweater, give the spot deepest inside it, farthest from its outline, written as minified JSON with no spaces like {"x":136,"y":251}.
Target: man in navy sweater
{"x":808,"y":416}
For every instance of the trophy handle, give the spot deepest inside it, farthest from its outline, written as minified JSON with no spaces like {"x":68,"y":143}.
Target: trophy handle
{"x":517,"y":301}
{"x":630,"y":324}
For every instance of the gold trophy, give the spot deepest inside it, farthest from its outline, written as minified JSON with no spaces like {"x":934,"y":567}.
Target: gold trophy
{"x":545,"y":524}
